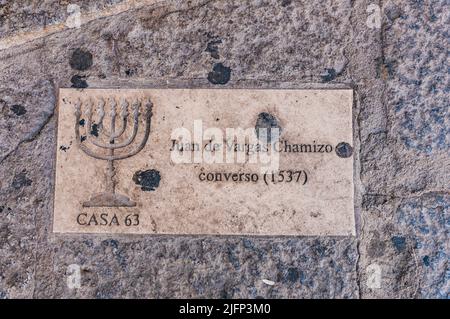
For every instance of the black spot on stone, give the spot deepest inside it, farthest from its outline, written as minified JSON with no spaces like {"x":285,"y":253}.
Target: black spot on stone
{"x":130,"y":72}
{"x":94,"y":130}
{"x":78,"y":82}
{"x":319,"y":249}
{"x":89,"y":243}
{"x":2,"y":208}
{"x":82,"y":138}
{"x":399,"y":243}
{"x":110,"y":243}
{"x":390,"y":67}
{"x":220,"y":74}
{"x":213,"y":49}
{"x":148,"y":180}
{"x":265,"y":127}
{"x":344,"y":150}
{"x":82,"y":122}
{"x":376,"y":247}
{"x":64,"y":148}
{"x":248,"y":244}
{"x":107,"y":291}
{"x":373,"y":200}
{"x":224,"y":294}
{"x":426,"y":260}
{"x":21,"y":180}
{"x":233,"y":257}
{"x":285,"y":3}
{"x":385,"y":68}
{"x":107,"y":36}
{"x":392,"y":12}
{"x":18,"y":109}
{"x":292,"y":274}
{"x":330,"y":75}
{"x":81,"y":60}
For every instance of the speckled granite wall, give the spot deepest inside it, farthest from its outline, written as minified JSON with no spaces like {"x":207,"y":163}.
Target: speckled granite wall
{"x":399,"y":71}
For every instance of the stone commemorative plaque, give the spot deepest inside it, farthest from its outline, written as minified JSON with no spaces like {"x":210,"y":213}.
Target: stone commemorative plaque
{"x":205,"y":161}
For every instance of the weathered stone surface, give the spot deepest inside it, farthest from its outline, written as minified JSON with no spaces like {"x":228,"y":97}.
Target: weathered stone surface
{"x":399,"y":73}
{"x":405,"y":165}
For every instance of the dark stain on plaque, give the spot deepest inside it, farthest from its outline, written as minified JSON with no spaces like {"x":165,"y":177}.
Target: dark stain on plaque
{"x":344,"y":150}
{"x":265,"y":127}
{"x":94,"y":130}
{"x":220,"y":74}
{"x":148,"y":180}
{"x":64,"y":148}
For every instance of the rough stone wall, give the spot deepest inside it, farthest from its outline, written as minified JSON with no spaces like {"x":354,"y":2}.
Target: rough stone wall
{"x":399,"y":71}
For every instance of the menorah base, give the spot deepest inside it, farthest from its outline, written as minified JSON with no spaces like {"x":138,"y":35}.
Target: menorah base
{"x":109,"y":200}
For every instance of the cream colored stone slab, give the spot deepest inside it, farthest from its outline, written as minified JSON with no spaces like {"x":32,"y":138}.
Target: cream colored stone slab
{"x":312,"y":193}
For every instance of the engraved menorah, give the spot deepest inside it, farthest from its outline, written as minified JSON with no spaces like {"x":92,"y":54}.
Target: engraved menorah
{"x":111,"y":143}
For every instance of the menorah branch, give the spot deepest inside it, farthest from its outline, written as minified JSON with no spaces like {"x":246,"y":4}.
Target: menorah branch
{"x":123,"y":144}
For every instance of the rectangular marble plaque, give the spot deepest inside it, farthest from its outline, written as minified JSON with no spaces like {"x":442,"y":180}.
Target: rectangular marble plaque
{"x":205,"y":161}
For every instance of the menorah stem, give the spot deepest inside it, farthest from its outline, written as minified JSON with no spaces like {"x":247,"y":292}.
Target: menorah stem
{"x":110,"y":182}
